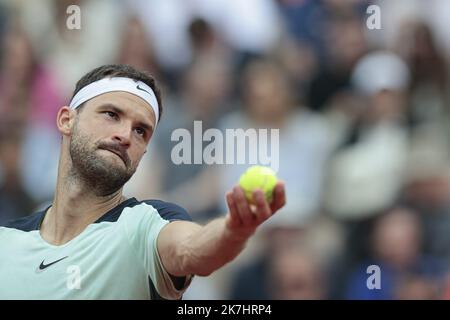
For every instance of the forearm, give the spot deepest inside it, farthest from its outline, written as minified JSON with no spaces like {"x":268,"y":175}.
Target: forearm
{"x":187,"y":248}
{"x":212,"y":246}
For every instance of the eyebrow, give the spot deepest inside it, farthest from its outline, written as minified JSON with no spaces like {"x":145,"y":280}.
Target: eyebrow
{"x":119,"y":111}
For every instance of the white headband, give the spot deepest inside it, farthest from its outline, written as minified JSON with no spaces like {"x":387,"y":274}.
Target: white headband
{"x":105,"y":85}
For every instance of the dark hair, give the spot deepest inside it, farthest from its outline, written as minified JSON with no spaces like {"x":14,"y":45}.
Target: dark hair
{"x":119,"y":70}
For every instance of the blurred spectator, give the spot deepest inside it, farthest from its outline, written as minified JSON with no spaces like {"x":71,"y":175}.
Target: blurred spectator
{"x":346,"y":44}
{"x":434,"y":13}
{"x":29,"y":100}
{"x":427,"y":190}
{"x":296,"y":274}
{"x":14,"y":200}
{"x":405,"y":273}
{"x":254,"y":280}
{"x":300,"y":63}
{"x":309,"y":21}
{"x":369,"y":162}
{"x":304,"y":144}
{"x":29,"y":90}
{"x":306,"y":21}
{"x":429,"y":79}
{"x":73,"y":52}
{"x":249,"y":27}
{"x":293,"y":263}
{"x":365,"y":174}
{"x":136,"y":50}
{"x":206,"y":43}
{"x":15,"y":83}
{"x":167,"y":24}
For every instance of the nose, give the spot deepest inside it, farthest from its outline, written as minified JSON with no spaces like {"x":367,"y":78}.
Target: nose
{"x":123,"y":135}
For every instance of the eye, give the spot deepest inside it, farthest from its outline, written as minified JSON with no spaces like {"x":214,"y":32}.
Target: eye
{"x":111,"y":114}
{"x":140,"y":131}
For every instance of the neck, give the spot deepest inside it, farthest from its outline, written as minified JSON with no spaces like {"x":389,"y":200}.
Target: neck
{"x":75,"y":206}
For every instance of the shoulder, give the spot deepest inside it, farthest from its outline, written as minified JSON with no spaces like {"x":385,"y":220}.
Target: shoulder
{"x":28,"y":223}
{"x":167,"y":210}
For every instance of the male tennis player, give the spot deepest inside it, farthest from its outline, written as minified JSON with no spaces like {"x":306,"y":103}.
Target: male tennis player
{"x":92,"y":243}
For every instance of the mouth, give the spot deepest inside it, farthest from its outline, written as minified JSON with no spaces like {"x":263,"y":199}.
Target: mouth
{"x":117,"y":153}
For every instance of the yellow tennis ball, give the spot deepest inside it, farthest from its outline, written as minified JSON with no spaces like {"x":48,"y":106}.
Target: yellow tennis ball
{"x":258,"y":177}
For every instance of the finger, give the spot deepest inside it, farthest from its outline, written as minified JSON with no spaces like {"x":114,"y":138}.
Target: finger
{"x":243,"y":208}
{"x":235,"y":220}
{"x":263,"y":211}
{"x":279,"y":197}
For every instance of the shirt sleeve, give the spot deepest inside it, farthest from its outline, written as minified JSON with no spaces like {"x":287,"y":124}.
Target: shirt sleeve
{"x":143,"y":224}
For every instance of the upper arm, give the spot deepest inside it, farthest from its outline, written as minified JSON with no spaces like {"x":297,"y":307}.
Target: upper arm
{"x":173,"y":244}
{"x":143,"y":226}
{"x":173,"y":235}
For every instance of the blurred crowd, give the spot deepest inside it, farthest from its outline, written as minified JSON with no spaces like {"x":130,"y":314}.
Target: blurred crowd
{"x":363,"y":114}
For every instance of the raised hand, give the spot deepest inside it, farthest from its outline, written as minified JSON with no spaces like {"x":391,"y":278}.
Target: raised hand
{"x":245,"y":217}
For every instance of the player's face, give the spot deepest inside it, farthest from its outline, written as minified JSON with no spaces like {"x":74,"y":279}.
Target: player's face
{"x":110,"y":137}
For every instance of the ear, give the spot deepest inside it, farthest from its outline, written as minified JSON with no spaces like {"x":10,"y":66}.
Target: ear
{"x":65,"y":120}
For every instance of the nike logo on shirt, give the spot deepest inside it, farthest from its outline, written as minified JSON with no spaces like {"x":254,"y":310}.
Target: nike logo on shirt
{"x":43,"y":266}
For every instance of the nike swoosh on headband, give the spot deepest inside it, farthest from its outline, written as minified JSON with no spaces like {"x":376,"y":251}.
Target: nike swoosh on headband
{"x":105,"y":85}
